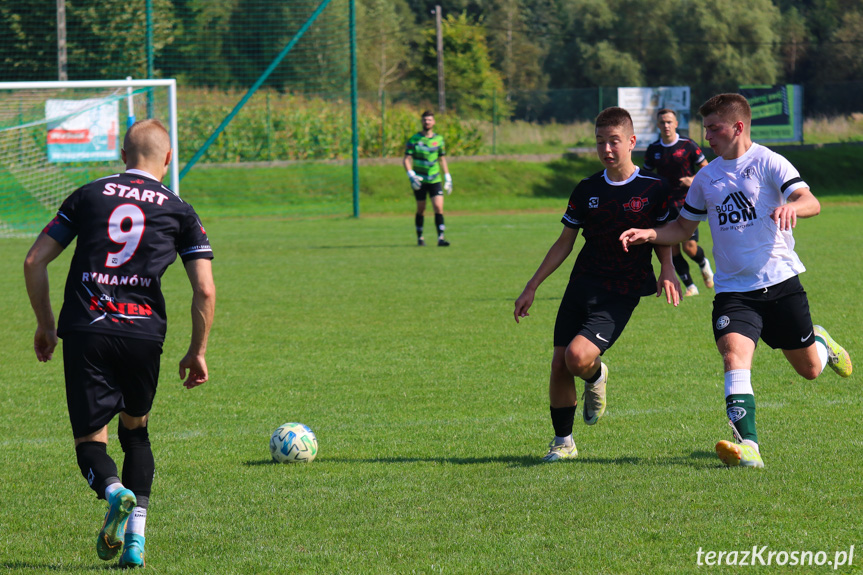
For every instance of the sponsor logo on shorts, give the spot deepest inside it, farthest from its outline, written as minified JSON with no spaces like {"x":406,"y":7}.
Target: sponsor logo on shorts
{"x":805,"y":337}
{"x":735,"y":413}
{"x":601,"y":338}
{"x":722,"y":322}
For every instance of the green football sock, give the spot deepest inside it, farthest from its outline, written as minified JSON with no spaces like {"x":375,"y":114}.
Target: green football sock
{"x":740,"y":408}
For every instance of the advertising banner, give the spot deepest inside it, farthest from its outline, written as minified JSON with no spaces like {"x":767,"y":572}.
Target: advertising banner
{"x":643,"y":103}
{"x":82,"y":130}
{"x":777,"y":112}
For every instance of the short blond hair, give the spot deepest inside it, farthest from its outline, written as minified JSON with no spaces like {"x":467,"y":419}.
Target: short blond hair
{"x":147,"y":140}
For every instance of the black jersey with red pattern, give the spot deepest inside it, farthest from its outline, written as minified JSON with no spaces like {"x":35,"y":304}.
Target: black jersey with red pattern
{"x":672,"y":162}
{"x":130,"y":228}
{"x":603,"y":210}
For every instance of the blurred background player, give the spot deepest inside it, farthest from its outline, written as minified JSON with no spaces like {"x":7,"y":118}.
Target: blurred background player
{"x":676,"y":159}
{"x":760,"y":195}
{"x":606,"y":283}
{"x":130,"y":228}
{"x":425,"y":157}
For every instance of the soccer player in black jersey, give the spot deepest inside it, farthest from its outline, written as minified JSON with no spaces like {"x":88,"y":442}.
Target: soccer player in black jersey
{"x":130,"y":228}
{"x":606,"y":283}
{"x":676,"y":159}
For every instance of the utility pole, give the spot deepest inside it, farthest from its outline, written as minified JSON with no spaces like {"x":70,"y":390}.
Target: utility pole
{"x":61,"y":41}
{"x":441,"y":93}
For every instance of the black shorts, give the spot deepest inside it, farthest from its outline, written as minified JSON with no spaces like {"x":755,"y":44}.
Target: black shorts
{"x":106,"y":375}
{"x":779,"y":315}
{"x":432,"y":190}
{"x":594,"y":313}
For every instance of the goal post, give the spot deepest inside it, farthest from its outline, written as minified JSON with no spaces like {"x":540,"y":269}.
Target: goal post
{"x":57,"y":136}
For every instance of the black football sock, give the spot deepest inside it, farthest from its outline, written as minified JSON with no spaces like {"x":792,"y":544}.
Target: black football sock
{"x":138,"y":465}
{"x":561,"y":420}
{"x":419,"y":220}
{"x":698,"y":258}
{"x":96,"y":466}
{"x":682,"y":269}
{"x":438,"y":222}
{"x":595,"y":377}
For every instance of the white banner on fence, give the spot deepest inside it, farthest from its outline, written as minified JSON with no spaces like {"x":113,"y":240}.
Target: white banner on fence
{"x":82,"y":130}
{"x":643,"y":103}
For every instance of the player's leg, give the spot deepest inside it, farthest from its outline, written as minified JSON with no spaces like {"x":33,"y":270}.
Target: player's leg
{"x":563,"y":398}
{"x":736,"y":328}
{"x":562,"y":403}
{"x":138,"y":471}
{"x":419,"y":216}
{"x":93,"y":399}
{"x":139,"y":380}
{"x":682,"y":268}
{"x":696,"y":254}
{"x":437,"y":204}
{"x":808,"y":348}
{"x":605,"y":320}
{"x":583,"y":360}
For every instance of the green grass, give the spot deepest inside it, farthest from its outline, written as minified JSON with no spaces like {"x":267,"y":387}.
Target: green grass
{"x":430,"y":406}
{"x":508,"y":184}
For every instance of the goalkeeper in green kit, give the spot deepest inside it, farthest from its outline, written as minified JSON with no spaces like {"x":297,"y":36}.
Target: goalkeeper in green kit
{"x":424,"y":160}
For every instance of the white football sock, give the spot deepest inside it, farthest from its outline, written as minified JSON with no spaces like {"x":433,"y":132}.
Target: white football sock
{"x":137,"y":521}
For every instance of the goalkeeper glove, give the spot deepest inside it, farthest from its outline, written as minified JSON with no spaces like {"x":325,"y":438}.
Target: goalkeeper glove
{"x":447,"y":184}
{"x":416,"y":181}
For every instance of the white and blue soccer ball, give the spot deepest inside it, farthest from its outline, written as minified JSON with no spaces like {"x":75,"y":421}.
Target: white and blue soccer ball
{"x":293,"y":443}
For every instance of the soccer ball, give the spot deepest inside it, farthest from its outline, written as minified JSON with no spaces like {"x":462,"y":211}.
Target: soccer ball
{"x":293,"y":443}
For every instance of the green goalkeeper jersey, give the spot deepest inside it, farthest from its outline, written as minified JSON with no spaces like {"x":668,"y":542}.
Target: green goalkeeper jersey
{"x":425,"y":152}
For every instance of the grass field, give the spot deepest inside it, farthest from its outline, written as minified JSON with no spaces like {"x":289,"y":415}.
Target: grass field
{"x":430,"y":406}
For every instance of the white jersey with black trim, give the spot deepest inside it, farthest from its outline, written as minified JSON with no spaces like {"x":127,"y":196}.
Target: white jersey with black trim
{"x":737,"y":197}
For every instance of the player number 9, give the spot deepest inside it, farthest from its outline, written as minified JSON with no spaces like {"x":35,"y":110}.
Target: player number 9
{"x":129,"y":238}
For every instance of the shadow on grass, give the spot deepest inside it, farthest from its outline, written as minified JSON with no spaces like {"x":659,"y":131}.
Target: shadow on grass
{"x":367,"y":246}
{"x":696,"y":458}
{"x":565,"y":174}
{"x":47,"y":568}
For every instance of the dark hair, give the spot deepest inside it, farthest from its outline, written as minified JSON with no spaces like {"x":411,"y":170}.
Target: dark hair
{"x":427,"y":113}
{"x":664,"y":111}
{"x":615,"y":117}
{"x":733,"y":107}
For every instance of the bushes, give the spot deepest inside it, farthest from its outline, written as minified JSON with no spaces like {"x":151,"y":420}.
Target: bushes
{"x":277,"y":127}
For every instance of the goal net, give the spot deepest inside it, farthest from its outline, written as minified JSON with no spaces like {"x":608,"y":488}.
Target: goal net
{"x":57,"y":136}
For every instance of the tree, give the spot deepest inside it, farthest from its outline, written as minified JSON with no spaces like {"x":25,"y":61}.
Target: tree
{"x":843,"y":55}
{"x":740,"y":45}
{"x":384,"y":28}
{"x":29,"y":47}
{"x":471,"y":81}
{"x":795,"y":42}
{"x":108,"y":40}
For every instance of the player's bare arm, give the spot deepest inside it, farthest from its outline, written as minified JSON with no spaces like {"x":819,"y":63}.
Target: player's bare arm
{"x":200,"y":274}
{"x":44,"y":250}
{"x":667,"y":280}
{"x":667,"y":235}
{"x":556,"y":255}
{"x":802,"y":203}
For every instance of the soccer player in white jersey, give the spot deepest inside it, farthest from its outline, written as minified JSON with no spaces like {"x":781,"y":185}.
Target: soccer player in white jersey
{"x":751,"y":197}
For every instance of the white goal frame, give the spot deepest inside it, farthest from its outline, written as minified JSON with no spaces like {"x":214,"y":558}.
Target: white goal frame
{"x":170,"y":83}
